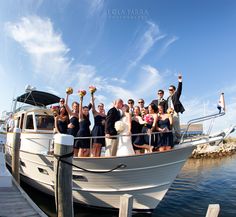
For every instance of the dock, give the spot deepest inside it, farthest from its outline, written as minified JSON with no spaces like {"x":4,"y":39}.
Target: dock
{"x":13,"y":200}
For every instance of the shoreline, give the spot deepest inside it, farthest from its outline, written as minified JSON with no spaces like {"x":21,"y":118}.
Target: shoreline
{"x":225,"y":148}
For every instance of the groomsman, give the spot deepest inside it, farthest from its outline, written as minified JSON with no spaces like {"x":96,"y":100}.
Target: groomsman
{"x":113,"y":115}
{"x":160,"y":100}
{"x":131,"y":106}
{"x":173,"y":102}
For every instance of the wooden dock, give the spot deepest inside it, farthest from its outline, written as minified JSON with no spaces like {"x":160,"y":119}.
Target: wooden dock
{"x":15,"y":202}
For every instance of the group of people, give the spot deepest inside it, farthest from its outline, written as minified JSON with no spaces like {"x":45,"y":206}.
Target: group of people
{"x":126,"y":129}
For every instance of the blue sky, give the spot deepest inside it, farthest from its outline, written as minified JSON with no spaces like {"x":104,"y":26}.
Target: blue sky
{"x":127,"y":49}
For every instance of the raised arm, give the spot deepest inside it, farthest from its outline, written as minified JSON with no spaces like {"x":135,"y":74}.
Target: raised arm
{"x":179,"y":89}
{"x":66,"y":105}
{"x":81,"y":109}
{"x":93,"y":105}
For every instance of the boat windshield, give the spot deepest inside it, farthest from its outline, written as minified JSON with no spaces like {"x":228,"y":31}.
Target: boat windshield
{"x":44,"y":122}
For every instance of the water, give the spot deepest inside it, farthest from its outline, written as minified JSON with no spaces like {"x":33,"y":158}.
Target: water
{"x":200,"y":183}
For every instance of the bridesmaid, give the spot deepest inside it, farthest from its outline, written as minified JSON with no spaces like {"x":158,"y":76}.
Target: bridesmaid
{"x":99,"y":127}
{"x":136,"y":127}
{"x":73,"y":125}
{"x":147,"y":141}
{"x":164,"y":126}
{"x":61,"y":121}
{"x":83,"y":144}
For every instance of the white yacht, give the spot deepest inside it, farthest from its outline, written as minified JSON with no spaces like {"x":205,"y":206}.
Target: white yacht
{"x":147,"y":176}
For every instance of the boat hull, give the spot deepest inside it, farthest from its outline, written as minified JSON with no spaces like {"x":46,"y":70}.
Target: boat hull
{"x":146,"y":177}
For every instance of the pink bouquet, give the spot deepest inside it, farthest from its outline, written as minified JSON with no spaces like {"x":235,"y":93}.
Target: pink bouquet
{"x":92,"y":89}
{"x":82,"y":93}
{"x":69,"y":90}
{"x":148,"y":119}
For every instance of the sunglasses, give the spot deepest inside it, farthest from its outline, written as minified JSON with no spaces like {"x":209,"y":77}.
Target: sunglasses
{"x":62,"y":101}
{"x":160,"y":93}
{"x":141,"y":102}
{"x":130,"y":103}
{"x":171,"y":89}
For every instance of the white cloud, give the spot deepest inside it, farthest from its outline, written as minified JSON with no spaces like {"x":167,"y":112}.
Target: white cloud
{"x":146,"y":42}
{"x":150,"y":78}
{"x":95,"y":6}
{"x":122,"y":81}
{"x":167,"y":44}
{"x":43,"y":44}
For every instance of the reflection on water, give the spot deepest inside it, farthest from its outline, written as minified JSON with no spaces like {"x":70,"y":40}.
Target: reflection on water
{"x":200,"y":183}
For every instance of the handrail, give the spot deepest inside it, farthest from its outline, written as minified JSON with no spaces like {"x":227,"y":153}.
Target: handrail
{"x":51,"y":140}
{"x":201,"y":119}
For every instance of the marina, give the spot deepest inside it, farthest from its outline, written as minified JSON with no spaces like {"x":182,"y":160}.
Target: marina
{"x":146,"y":176}
{"x":117,"y":108}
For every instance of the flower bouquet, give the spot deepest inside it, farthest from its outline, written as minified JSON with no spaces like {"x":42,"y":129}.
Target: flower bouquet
{"x":69,"y":90}
{"x":92,"y":89}
{"x":119,"y":126}
{"x":82,"y":93}
{"x":148,"y":119}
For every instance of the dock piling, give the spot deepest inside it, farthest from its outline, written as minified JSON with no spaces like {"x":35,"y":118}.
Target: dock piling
{"x":126,"y":204}
{"x":16,"y":154}
{"x":213,"y":210}
{"x":63,"y":180}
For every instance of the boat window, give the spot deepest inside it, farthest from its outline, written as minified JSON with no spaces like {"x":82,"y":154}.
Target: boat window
{"x":29,"y":122}
{"x":18,"y":122}
{"x":44,"y":122}
{"x":21,"y":121}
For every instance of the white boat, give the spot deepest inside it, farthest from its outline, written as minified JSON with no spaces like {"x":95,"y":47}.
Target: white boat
{"x":146,"y":177}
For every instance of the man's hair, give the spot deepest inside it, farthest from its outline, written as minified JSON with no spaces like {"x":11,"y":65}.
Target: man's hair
{"x":173,"y":87}
{"x":131,"y":100}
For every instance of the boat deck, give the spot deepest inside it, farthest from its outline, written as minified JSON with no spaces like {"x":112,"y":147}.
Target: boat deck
{"x":15,"y":202}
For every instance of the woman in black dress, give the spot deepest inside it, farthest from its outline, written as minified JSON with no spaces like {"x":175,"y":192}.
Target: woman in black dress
{"x":147,"y":141}
{"x":61,"y":121}
{"x":73,"y":125}
{"x":164,"y":126}
{"x":136,"y":128}
{"x":83,"y":144}
{"x":99,"y":128}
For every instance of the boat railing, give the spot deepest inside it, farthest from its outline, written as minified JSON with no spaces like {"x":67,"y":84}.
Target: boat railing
{"x":51,"y":140}
{"x":211,"y":117}
{"x":151,"y":134}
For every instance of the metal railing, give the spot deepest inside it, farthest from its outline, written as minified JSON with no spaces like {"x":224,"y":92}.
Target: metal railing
{"x":201,"y":119}
{"x":51,"y":140}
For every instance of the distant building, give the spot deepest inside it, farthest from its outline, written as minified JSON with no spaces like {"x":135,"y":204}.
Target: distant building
{"x":194,"y":129}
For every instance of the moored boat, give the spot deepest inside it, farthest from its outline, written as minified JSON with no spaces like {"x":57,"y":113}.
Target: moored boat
{"x":147,"y":176}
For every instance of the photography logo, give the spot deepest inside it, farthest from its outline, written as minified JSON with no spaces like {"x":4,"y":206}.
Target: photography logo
{"x":128,"y":14}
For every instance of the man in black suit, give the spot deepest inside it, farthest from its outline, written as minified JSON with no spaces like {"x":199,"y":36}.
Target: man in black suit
{"x":160,"y":100}
{"x":131,"y":106}
{"x":173,"y":102}
{"x":113,"y":115}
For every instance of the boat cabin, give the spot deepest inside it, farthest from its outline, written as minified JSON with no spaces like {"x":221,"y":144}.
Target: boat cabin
{"x":36,"y":121}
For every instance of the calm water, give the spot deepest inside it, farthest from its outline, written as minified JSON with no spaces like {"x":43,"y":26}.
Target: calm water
{"x":201,"y":182}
